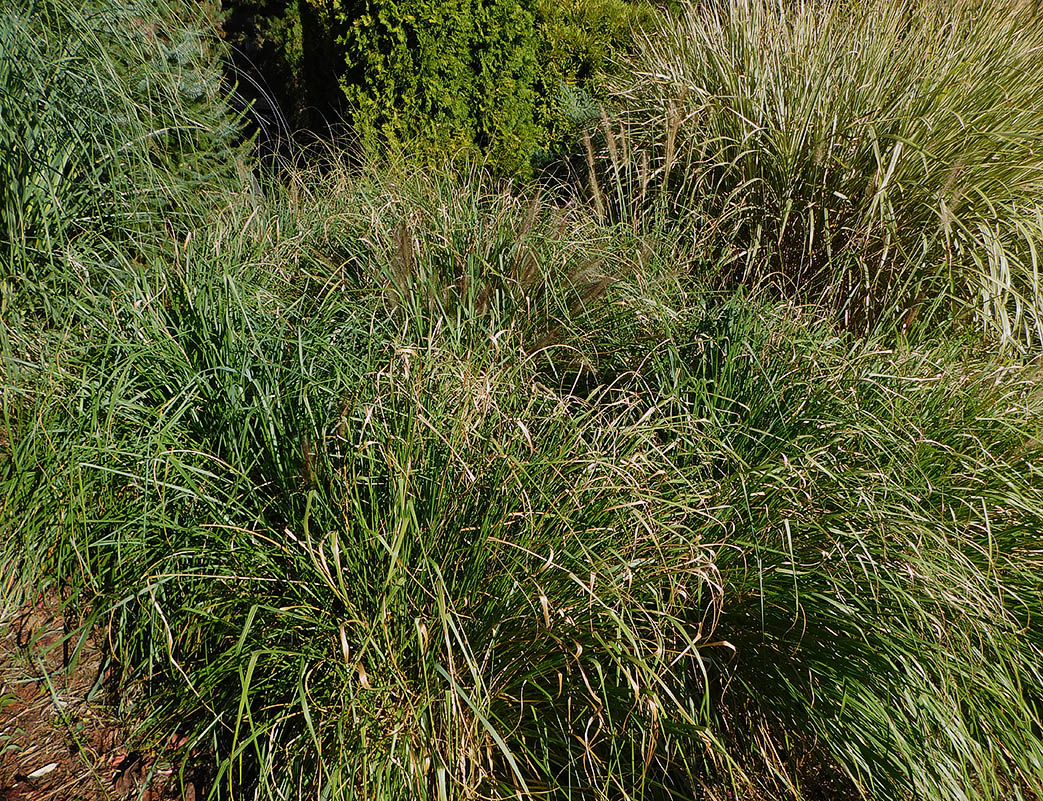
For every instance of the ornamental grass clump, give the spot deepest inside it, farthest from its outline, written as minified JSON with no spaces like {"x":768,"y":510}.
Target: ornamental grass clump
{"x":882,"y":157}
{"x":877,"y":513}
{"x":356,"y":535}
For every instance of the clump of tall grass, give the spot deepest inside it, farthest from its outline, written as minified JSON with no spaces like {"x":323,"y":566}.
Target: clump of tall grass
{"x":117,"y":138}
{"x":365,"y":552}
{"x":355,"y":534}
{"x":883,"y":157}
{"x":878,"y":564}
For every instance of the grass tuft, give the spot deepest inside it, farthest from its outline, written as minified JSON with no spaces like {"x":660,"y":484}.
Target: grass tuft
{"x":882,"y":158}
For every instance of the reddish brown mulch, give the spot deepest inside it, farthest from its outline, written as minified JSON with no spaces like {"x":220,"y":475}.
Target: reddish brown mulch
{"x":59,"y":736}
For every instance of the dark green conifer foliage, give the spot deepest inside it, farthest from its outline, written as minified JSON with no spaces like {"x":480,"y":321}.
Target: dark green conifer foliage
{"x":444,"y":76}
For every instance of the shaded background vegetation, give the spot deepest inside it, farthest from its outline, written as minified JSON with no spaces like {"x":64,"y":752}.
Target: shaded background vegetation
{"x":513,"y":81}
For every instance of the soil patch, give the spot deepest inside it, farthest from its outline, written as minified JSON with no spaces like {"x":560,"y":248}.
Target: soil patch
{"x":60,"y":735}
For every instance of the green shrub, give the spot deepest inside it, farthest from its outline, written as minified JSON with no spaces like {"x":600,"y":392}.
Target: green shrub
{"x":579,"y":42}
{"x":883,"y":157}
{"x":511,"y":80}
{"x":443,"y":75}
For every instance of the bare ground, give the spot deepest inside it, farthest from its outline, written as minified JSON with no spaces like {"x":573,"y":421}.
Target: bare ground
{"x":60,"y":736}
